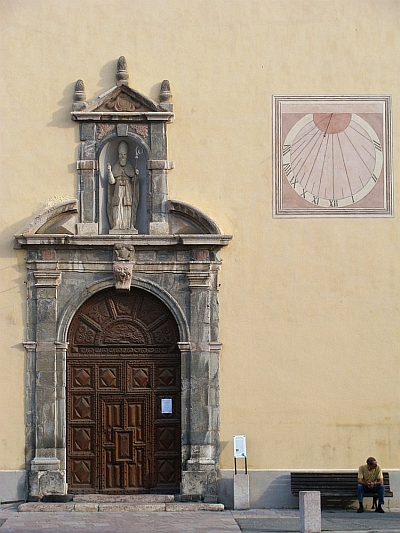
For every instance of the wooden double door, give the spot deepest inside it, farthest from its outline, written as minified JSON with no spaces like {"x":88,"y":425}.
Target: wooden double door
{"x":123,"y":396}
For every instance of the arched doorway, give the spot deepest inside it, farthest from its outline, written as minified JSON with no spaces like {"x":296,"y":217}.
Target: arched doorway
{"x":123,"y":395}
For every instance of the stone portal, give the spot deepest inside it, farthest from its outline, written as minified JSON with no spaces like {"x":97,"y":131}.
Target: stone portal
{"x":77,"y":254}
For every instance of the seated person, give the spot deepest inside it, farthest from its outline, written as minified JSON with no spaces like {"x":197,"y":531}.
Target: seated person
{"x":370,"y":480}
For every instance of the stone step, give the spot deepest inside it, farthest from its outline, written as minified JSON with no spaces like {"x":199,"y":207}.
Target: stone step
{"x":124,"y":498}
{"x":132,"y":507}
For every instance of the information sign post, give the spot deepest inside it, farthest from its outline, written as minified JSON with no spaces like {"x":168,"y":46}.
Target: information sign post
{"x":241,"y":485}
{"x":239,"y":450}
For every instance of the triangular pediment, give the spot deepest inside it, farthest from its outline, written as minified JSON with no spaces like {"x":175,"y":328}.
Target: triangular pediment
{"x":123,"y":99}
{"x":121,"y":102}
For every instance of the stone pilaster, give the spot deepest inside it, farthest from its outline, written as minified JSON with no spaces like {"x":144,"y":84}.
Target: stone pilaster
{"x":60,"y":429}
{"x":185,"y":349}
{"x":45,"y":475}
{"x":87,"y":168}
{"x":30,"y":404}
{"x":159,"y":173}
{"x":200,"y":476}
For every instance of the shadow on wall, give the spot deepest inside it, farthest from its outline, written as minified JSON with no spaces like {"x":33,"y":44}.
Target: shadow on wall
{"x":268,"y":490}
{"x":276,"y":494}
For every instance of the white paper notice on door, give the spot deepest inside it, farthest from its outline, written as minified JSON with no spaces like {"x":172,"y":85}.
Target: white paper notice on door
{"x":166,"y":405}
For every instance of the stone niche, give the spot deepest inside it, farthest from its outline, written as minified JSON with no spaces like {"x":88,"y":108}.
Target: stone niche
{"x":122,"y":231}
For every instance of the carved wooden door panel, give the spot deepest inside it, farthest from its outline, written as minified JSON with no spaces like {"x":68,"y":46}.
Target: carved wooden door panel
{"x":123,"y":396}
{"x":124,"y":443}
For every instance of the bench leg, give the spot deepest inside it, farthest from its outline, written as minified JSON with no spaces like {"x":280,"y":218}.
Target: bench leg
{"x":374,"y":502}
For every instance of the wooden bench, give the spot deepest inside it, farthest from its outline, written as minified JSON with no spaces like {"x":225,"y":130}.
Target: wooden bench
{"x":333,"y":484}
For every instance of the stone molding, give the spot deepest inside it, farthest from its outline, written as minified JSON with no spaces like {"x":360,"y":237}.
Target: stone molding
{"x":161,"y":164}
{"x":105,"y":116}
{"x":49,"y":214}
{"x":168,"y":240}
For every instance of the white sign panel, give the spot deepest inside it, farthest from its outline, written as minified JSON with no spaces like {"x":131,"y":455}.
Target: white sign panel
{"x":239,"y":446}
{"x":166,"y":405}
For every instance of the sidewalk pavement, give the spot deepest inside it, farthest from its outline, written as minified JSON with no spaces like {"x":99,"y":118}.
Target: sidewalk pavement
{"x":251,"y":521}
{"x":288,"y":521}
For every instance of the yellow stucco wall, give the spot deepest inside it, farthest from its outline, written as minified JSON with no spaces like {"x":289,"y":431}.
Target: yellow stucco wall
{"x":309,"y":309}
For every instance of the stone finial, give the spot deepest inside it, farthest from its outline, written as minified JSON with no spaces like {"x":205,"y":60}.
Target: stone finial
{"x":79,"y":96}
{"x":165,"y":91}
{"x":122,"y":71}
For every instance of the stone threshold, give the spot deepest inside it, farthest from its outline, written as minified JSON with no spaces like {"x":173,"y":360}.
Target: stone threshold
{"x":95,"y":507}
{"x":108,"y":503}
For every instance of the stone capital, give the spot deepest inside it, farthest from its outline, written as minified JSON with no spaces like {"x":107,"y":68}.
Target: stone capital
{"x":45,"y":463}
{"x":184,"y":346}
{"x":61,"y":346}
{"x":215,"y":348}
{"x":198,"y":280}
{"x":47,"y":278}
{"x":30,"y":346}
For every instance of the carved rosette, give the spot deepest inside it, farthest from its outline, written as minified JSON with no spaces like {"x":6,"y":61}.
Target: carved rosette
{"x":122,"y":103}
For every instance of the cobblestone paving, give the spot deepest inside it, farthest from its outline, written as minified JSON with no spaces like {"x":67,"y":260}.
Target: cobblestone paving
{"x":252,"y":521}
{"x":124,"y":522}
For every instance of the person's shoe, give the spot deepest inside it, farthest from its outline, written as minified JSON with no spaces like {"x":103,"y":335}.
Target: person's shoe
{"x":361,"y":508}
{"x":379,"y":509}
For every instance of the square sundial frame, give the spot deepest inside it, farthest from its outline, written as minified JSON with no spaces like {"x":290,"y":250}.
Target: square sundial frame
{"x":332,"y":156}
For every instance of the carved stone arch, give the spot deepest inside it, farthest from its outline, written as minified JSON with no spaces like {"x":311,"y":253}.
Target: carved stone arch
{"x":81,"y":296}
{"x":172,"y":304}
{"x":59,"y":218}
{"x":112,"y":133}
{"x":112,"y":318}
{"x":187,"y":219}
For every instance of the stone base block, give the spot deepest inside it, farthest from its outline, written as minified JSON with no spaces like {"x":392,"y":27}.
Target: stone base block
{"x":241,"y":491}
{"x":45,"y":478}
{"x":87,"y":228}
{"x":310,"y":511}
{"x":203,"y":483}
{"x":159,"y":228}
